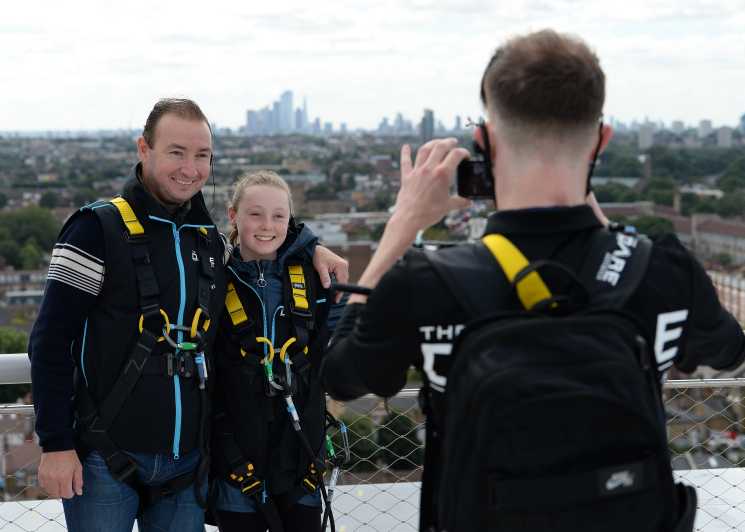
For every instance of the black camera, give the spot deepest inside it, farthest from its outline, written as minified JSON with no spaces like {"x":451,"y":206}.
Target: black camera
{"x":474,"y":179}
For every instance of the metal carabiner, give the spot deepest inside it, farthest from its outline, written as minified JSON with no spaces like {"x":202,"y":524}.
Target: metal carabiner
{"x":287,"y":361}
{"x":268,"y":362}
{"x":195,"y":323}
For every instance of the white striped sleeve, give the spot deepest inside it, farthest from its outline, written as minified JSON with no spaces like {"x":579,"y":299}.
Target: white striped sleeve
{"x":77,"y":268}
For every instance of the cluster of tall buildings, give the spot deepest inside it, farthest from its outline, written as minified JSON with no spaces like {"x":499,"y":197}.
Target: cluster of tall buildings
{"x":427,"y":128}
{"x":682,"y":135}
{"x":281,"y":117}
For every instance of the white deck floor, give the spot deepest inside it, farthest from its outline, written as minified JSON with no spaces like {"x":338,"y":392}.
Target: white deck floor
{"x":395,"y":507}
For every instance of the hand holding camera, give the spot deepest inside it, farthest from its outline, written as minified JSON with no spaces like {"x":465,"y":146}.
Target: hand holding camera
{"x":474,"y":179}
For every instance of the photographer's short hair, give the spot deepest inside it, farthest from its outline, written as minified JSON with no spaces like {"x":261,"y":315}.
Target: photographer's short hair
{"x":181,"y":107}
{"x":545,"y":80}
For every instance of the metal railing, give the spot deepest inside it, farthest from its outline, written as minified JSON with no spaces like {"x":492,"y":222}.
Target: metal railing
{"x":378,"y":489}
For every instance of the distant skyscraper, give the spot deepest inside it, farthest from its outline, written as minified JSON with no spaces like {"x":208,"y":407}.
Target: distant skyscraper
{"x":724,"y":137}
{"x":305,"y":113}
{"x":742,"y":124}
{"x":328,"y":128}
{"x":384,"y":128}
{"x":299,"y":119}
{"x":704,"y":128}
{"x":286,"y":112}
{"x":458,"y":125}
{"x":399,"y":125}
{"x":428,"y":125}
{"x":317,"y":126}
{"x":276,"y":112}
{"x":266,"y":115}
{"x":343,"y":127}
{"x":253,"y":122}
{"x":678,"y":127}
{"x":646,"y":136}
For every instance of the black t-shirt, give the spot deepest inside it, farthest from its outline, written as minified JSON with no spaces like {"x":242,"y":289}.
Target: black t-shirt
{"x":412,"y":318}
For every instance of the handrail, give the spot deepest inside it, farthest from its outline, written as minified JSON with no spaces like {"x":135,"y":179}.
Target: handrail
{"x":15,"y":368}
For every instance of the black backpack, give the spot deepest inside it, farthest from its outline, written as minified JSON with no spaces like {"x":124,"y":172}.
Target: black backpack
{"x":553,"y":416}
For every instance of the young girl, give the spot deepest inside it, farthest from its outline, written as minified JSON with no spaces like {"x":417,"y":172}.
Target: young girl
{"x":269,"y":412}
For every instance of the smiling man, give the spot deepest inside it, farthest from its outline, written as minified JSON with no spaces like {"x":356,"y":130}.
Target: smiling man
{"x":122,"y":345}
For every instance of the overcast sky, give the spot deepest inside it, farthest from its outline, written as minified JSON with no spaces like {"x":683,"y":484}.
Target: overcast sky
{"x":100,"y":64}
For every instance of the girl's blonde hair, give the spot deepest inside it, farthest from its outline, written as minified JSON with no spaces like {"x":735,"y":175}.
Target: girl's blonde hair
{"x":260,"y":177}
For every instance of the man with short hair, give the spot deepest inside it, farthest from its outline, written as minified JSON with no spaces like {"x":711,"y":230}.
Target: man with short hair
{"x":121,"y":350}
{"x":543,"y":93}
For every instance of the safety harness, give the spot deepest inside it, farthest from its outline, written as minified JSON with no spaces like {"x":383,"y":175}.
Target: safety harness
{"x":187,"y":360}
{"x":280,"y":384}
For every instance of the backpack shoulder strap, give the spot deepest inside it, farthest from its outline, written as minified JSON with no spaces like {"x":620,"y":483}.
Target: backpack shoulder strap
{"x":530,"y":288}
{"x":615,"y":266}
{"x":468,"y":272}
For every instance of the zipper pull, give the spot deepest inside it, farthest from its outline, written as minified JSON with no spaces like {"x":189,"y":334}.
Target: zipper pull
{"x":261,"y":283}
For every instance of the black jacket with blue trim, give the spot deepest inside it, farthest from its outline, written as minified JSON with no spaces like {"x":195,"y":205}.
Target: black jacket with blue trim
{"x":259,"y":425}
{"x":88,"y":323}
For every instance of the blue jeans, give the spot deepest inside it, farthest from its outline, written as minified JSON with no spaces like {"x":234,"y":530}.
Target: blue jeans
{"x":111,"y":506}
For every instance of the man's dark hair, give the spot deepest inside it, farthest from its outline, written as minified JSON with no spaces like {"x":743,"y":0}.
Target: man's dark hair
{"x":545,"y":78}
{"x":181,"y":107}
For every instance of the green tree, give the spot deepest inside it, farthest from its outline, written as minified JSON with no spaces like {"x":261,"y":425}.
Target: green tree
{"x":48,"y":199}
{"x":660,"y":190}
{"x":31,"y":222}
{"x":84,"y":196}
{"x":399,"y":445}
{"x":12,"y":341}
{"x":30,"y":255}
{"x":10,"y":252}
{"x":615,"y":193}
{"x":653,"y":225}
{"x":363,"y":448}
{"x":733,"y":177}
{"x":732,"y":204}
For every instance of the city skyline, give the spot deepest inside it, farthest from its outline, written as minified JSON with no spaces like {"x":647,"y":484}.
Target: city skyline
{"x":87,"y":65}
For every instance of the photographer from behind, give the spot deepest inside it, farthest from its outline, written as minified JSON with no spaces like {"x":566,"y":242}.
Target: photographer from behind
{"x":543,"y":93}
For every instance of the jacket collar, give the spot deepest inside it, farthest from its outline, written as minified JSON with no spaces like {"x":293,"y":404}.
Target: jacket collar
{"x":544,"y":220}
{"x":144,"y":204}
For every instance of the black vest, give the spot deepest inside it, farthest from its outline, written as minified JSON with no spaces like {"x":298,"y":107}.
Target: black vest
{"x":250,"y":426}
{"x":162,"y":414}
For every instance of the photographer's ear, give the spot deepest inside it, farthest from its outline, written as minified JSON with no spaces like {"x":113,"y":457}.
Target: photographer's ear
{"x":606,"y":133}
{"x":478,"y":138}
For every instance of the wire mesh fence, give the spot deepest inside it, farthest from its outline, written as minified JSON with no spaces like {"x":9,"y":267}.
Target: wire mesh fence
{"x":378,"y":489}
{"x":731,"y":291}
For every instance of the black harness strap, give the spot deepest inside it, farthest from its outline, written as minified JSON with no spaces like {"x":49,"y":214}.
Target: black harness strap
{"x":95,"y":420}
{"x":243,"y":477}
{"x":112,"y":404}
{"x":301,"y":304}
